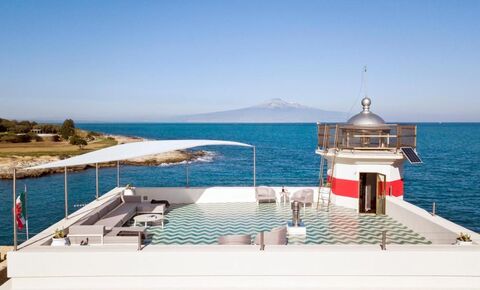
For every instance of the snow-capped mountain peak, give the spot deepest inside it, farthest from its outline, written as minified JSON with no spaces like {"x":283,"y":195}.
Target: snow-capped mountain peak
{"x":278,"y":103}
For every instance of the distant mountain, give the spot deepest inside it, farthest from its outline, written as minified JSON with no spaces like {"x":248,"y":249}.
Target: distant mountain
{"x":273,"y":111}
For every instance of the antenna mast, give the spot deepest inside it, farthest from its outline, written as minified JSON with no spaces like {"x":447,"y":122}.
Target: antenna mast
{"x":364,"y":81}
{"x":363,"y":88}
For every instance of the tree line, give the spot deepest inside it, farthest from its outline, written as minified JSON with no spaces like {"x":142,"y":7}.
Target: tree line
{"x":13,"y":131}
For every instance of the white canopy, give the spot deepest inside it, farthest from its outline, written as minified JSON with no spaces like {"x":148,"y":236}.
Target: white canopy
{"x":134,"y":150}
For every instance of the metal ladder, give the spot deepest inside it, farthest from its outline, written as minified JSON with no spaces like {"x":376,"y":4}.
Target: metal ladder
{"x":321,"y":196}
{"x":320,"y":182}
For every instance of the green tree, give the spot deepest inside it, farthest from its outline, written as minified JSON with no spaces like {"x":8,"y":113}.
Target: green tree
{"x":21,"y":128}
{"x":7,"y":124}
{"x":79,"y":141}
{"x":49,"y":128}
{"x":3,"y":128}
{"x":68,"y":129}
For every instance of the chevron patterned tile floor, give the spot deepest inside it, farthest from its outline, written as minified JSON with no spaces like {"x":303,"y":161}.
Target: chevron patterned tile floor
{"x":204,"y":223}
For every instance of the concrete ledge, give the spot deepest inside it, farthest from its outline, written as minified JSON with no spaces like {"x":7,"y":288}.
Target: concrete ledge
{"x":214,"y":194}
{"x":245,"y":267}
{"x":435,"y":228}
{"x":278,"y":261}
{"x":246,"y":282}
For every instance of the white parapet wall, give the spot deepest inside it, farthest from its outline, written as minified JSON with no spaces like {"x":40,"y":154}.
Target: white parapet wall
{"x":433,"y":227}
{"x":246,"y":267}
{"x":215,"y":194}
{"x":220,"y":194}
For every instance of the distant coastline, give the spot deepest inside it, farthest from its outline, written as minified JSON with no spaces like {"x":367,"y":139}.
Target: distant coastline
{"x":28,"y":159}
{"x":27,"y":143}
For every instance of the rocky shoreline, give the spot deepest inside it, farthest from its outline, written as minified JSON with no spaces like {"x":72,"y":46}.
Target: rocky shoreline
{"x":8,"y":163}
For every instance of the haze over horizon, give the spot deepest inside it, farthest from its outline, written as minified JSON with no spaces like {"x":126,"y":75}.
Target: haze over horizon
{"x":146,"y":61}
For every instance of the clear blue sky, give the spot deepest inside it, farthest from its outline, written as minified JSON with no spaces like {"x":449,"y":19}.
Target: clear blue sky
{"x":141,"y":60}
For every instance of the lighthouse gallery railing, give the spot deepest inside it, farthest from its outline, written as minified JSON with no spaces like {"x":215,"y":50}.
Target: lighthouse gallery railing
{"x":385,"y":137}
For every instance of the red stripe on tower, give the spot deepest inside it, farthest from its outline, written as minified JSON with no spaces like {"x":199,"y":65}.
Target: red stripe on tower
{"x":349,"y":188}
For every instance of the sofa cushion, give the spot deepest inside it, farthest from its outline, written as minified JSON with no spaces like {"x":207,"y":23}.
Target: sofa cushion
{"x":91,"y":219}
{"x":119,"y":216}
{"x":86,"y":230}
{"x":115,"y":203}
{"x":150,"y":208}
{"x":132,"y":198}
{"x":99,"y":212}
{"x":103,"y":211}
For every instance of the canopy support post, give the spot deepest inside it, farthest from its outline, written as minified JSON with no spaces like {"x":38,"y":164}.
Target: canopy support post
{"x":254,"y":167}
{"x":14,"y":191}
{"x":96,"y":181}
{"x":118,"y":173}
{"x":26,"y":212}
{"x":187,"y":180}
{"x":66,"y":193}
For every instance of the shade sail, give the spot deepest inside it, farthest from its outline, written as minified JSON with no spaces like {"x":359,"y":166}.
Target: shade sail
{"x":133,"y":150}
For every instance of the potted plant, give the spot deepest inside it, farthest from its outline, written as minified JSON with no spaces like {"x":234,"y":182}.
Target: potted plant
{"x":129,"y":190}
{"x":464,"y":239}
{"x":60,"y":238}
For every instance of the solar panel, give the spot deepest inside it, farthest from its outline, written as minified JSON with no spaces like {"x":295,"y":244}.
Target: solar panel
{"x":411,"y":155}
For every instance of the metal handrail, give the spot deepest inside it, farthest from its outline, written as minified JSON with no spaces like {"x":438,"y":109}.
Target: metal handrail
{"x":386,"y":137}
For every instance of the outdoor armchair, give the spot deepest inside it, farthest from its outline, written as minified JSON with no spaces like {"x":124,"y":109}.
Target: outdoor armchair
{"x":277,"y":236}
{"x":265,"y":194}
{"x":304,"y":196}
{"x":235,"y":240}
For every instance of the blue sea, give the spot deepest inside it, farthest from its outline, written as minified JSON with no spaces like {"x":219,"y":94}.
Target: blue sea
{"x":286,"y":155}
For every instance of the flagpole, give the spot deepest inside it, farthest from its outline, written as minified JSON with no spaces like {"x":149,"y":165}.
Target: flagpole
{"x":14,"y":209}
{"x":96,"y":181}
{"x":66,"y":193}
{"x":26,"y":212}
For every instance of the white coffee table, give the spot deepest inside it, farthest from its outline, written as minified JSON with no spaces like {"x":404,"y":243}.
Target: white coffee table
{"x":149,"y":218}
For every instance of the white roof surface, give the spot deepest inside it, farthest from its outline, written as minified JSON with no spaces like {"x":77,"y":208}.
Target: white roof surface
{"x":133,"y":150}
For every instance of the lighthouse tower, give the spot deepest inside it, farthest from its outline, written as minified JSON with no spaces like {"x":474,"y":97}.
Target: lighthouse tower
{"x":363,"y":159}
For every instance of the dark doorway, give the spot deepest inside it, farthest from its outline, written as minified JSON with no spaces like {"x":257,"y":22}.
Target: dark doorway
{"x":368,"y":193}
{"x":372,"y":193}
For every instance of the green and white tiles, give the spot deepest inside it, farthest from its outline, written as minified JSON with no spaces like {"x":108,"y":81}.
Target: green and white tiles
{"x":204,"y":223}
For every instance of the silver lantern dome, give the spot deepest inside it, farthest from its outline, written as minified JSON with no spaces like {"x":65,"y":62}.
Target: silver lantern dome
{"x":366,"y":117}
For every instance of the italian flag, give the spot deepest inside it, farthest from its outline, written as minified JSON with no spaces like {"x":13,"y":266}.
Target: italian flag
{"x":20,"y":210}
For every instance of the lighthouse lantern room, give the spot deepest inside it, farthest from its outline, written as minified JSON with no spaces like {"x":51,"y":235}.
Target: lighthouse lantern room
{"x":362,"y":159}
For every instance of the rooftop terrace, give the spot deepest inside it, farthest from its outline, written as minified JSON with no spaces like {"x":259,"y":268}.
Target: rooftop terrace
{"x":203,"y":223}
{"x":343,"y":248}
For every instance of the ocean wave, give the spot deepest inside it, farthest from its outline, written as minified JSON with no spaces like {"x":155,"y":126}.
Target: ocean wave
{"x":208,"y":157}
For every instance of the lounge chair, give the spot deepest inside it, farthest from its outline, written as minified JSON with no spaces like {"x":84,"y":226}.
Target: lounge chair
{"x":304,"y":196}
{"x":277,"y":236}
{"x":235,"y":240}
{"x":265,"y":194}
